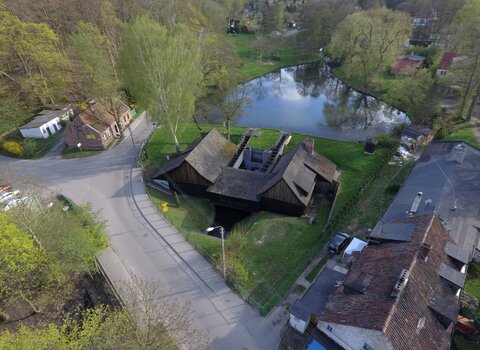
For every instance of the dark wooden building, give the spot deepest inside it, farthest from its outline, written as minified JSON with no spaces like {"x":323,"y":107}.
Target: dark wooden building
{"x":249,"y":179}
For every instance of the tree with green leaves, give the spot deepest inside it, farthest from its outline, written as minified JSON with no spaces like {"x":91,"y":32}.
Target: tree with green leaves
{"x":162,"y":71}
{"x":369,"y":41}
{"x":23,"y":265}
{"x":93,"y":56}
{"x":415,"y":95}
{"x":466,"y":26}
{"x":30,"y":59}
{"x":320,"y":18}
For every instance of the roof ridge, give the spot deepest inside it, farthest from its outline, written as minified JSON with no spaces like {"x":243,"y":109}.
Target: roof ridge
{"x":409,"y":269}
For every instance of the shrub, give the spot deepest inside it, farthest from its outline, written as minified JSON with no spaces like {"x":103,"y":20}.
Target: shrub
{"x":29,"y":147}
{"x":386,"y":140}
{"x":13,"y":147}
{"x":392,"y":189}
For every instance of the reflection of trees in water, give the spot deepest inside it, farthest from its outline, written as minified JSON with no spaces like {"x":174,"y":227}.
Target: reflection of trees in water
{"x":258,"y":90}
{"x":310,"y":78}
{"x":354,"y":110}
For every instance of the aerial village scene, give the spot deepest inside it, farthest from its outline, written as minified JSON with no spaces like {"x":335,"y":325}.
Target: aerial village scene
{"x":233,"y":174}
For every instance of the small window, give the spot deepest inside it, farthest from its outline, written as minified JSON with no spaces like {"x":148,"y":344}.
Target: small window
{"x":367,"y":347}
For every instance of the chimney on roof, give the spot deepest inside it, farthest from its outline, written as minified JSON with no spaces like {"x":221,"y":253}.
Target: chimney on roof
{"x":309,"y":145}
{"x":458,"y":153}
{"x":400,"y":284}
{"x":424,"y":250}
{"x":416,"y":203}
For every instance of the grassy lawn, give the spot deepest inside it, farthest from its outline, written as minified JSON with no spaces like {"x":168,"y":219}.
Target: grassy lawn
{"x":463,"y":132}
{"x":268,"y":251}
{"x":75,"y":153}
{"x":252,"y":67}
{"x":190,"y":218}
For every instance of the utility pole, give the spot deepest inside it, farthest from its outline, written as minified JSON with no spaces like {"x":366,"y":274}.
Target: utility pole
{"x":223,"y":254}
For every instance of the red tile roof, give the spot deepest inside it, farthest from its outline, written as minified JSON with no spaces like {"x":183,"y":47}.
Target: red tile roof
{"x":373,"y":307}
{"x":404,"y":64}
{"x":447,"y":60}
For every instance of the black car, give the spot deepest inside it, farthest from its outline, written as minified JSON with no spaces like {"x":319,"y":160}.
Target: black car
{"x":338,"y":242}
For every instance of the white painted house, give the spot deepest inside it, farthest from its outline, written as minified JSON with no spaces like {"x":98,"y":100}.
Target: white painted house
{"x":45,"y":124}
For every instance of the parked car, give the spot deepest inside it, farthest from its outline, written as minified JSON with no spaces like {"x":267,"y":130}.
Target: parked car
{"x":5,"y":188}
{"x":15,"y":202}
{"x":6,"y":196}
{"x":339,"y":242}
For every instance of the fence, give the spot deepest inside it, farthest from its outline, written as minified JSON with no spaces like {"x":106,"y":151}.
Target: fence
{"x":276,"y":291}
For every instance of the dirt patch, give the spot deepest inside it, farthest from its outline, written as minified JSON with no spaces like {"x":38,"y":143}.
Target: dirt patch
{"x":86,"y":292}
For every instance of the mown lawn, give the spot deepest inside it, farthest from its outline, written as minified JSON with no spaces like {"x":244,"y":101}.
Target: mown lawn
{"x":269,"y":250}
{"x":252,"y":67}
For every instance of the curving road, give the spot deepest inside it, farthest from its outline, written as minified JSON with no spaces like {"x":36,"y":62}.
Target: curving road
{"x":141,"y":243}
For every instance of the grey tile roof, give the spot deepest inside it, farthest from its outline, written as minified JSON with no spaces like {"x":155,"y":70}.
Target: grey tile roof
{"x":38,"y":121}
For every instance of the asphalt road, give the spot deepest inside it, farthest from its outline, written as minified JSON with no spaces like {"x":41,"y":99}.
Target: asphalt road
{"x":152,"y":252}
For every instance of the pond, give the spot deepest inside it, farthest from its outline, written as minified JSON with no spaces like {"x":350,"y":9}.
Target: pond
{"x":307,"y":99}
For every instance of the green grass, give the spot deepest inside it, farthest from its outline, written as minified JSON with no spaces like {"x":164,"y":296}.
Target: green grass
{"x":463,"y":132}
{"x":316,"y":269}
{"x":460,"y":343}
{"x":75,"y":153}
{"x":274,"y":249}
{"x":251,"y":65}
{"x":376,"y":199}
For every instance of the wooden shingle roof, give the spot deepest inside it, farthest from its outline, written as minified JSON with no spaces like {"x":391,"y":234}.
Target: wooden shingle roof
{"x":207,"y":156}
{"x":298,"y":168}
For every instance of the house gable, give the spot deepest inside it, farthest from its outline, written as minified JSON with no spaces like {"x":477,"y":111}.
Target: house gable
{"x":282,"y":192}
{"x":185,"y":173}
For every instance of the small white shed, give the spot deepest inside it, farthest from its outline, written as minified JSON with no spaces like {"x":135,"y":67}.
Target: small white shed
{"x":45,"y":124}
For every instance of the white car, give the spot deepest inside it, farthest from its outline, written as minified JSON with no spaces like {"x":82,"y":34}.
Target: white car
{"x":8,"y":195}
{"x":15,"y":202}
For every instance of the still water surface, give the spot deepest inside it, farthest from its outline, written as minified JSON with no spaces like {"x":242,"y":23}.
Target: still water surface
{"x":308,"y":99}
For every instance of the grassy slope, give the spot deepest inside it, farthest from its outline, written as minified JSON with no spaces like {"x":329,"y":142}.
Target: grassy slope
{"x":277,"y":247}
{"x":252,"y":67}
{"x":463,"y":132}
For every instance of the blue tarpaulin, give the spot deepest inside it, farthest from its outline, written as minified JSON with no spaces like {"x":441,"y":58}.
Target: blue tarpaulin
{"x":315,"y":345}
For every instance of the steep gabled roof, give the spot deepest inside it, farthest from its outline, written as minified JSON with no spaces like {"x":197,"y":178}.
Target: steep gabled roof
{"x":416,"y":317}
{"x":298,"y":168}
{"x":447,"y":60}
{"x":207,"y":156}
{"x":99,"y":117}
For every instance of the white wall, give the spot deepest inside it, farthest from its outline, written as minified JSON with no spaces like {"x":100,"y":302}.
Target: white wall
{"x":353,"y":338}
{"x":298,"y":324}
{"x":41,"y":132}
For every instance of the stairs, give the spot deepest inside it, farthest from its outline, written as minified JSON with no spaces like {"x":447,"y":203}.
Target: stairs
{"x":241,"y":146}
{"x":275,"y":154}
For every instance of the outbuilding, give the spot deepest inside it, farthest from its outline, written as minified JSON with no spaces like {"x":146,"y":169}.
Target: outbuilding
{"x":370,"y":146}
{"x":45,"y":124}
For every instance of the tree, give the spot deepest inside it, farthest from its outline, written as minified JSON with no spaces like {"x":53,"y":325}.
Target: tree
{"x":264,"y":46}
{"x":95,"y":59}
{"x":369,"y":41}
{"x":162,"y":71}
{"x":150,"y":321}
{"x":30,"y":59}
{"x":22,"y":264}
{"x":272,"y":16}
{"x":319,"y":19}
{"x":414,"y":94}
{"x":233,"y":103}
{"x":466,"y":25}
